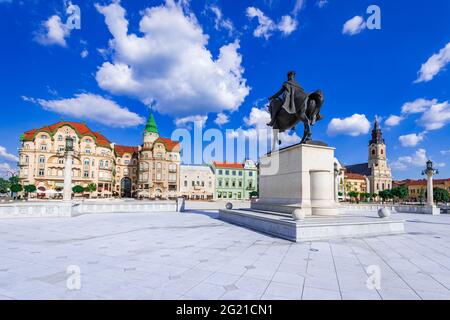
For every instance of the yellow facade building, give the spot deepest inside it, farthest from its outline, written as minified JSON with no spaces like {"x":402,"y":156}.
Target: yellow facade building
{"x":150,"y":170}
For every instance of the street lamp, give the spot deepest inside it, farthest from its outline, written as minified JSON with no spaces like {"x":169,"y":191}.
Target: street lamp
{"x":430,"y":169}
{"x":430,"y":172}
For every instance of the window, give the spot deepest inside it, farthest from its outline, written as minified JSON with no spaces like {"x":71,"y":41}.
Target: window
{"x":43,"y":147}
{"x":240,"y":173}
{"x":185,"y":183}
{"x":41,"y":159}
{"x":86,"y":174}
{"x":158,"y":165}
{"x":158,"y":176}
{"x":88,"y":151}
{"x":86,"y":162}
{"x":227,"y":183}
{"x":219,"y":194}
{"x":227,"y":172}
{"x":233,"y":172}
{"x":60,"y":138}
{"x":41,"y":172}
{"x":220,"y":182}
{"x":240,"y":183}
{"x":44,"y":136}
{"x":250,"y":174}
{"x":193,"y":183}
{"x":230,"y":195}
{"x":87,"y":140}
{"x":126,"y":162}
{"x":220,"y":171}
{"x":61,"y":149}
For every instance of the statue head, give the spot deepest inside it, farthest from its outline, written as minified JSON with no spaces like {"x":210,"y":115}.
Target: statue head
{"x":291,"y":75}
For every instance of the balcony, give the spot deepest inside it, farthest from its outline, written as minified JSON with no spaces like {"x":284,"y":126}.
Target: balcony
{"x":22,"y":163}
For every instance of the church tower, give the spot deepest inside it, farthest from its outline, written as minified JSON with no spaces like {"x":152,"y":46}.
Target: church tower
{"x":377,"y":147}
{"x":381,"y":177}
{"x":150,"y":132}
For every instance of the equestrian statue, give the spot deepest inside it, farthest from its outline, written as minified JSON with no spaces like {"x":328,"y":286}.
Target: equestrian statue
{"x":291,"y":104}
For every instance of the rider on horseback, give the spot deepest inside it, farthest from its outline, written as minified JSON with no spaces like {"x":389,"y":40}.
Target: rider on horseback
{"x":293,"y":94}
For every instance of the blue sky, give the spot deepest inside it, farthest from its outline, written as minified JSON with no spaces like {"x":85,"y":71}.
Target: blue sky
{"x":197,"y":59}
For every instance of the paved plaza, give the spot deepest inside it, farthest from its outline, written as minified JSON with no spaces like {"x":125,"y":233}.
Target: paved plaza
{"x":195,"y":256}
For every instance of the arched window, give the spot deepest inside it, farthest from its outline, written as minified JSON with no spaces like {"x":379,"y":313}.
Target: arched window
{"x":382,"y":151}
{"x":41,"y":159}
{"x":373,"y":152}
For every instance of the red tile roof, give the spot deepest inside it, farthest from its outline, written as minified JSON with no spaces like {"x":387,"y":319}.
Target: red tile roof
{"x":81,"y":129}
{"x":170,"y":144}
{"x":421,"y":182}
{"x":229,"y":165}
{"x":354,"y":176}
{"x":121,"y":150}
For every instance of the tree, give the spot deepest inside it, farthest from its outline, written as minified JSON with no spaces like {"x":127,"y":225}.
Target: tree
{"x":29,"y":189}
{"x":385,"y":194}
{"x":14,"y":180}
{"x":440,"y":195}
{"x":353,"y":195}
{"x":91,"y":187}
{"x":78,"y":189}
{"x":399,"y":192}
{"x":4,"y":185}
{"x":254,"y":194}
{"x":16,"y":188}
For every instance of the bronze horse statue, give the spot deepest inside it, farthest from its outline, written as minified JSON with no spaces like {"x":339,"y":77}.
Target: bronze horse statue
{"x":307,"y":112}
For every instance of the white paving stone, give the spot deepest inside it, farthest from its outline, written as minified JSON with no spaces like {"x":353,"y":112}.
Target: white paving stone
{"x":195,"y":256}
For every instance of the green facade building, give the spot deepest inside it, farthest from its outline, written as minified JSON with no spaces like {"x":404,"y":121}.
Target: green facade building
{"x":235,"y":181}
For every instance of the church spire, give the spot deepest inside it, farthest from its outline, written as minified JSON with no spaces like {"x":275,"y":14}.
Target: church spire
{"x":377,"y":135}
{"x":151,"y":124}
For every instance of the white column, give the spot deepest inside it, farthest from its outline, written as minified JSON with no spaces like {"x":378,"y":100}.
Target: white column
{"x":430,"y":200}
{"x":336,"y":187}
{"x":67,"y":192}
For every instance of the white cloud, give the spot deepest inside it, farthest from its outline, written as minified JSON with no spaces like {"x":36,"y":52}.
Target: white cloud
{"x":418,"y":159}
{"x":445,"y":152}
{"x":6,"y":155}
{"x":5,"y":168}
{"x":287,"y":25}
{"x":354,"y":26}
{"x":435,"y":64}
{"x":418,"y":106}
{"x":256,"y":124}
{"x":221,"y":119}
{"x":321,"y":3}
{"x":84,"y":53}
{"x":53,"y":32}
{"x":393,"y":120}
{"x":353,"y":126}
{"x":298,"y":6}
{"x":170,"y":64}
{"x":436,"y":117}
{"x":219,"y":21}
{"x":199,"y":121}
{"x":266,"y":26}
{"x":411,"y":140}
{"x":92,"y":107}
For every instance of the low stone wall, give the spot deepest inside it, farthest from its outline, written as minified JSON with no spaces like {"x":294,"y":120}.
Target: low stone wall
{"x":355,"y":208}
{"x":53,"y":209}
{"x":50,"y":209}
{"x":125,"y":206}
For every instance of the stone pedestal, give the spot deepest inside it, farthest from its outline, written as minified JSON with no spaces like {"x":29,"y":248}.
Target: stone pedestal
{"x":298,"y":177}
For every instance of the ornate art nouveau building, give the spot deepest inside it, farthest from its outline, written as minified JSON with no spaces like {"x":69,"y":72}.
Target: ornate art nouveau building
{"x":376,"y":169}
{"x":150,"y":170}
